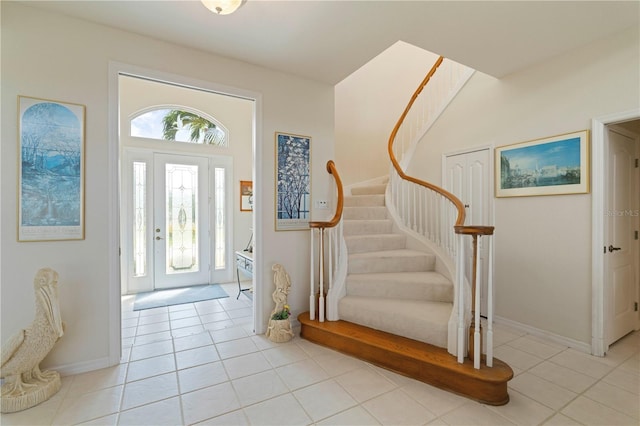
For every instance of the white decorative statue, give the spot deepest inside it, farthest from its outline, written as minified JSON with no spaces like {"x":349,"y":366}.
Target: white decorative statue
{"x":279,"y":329}
{"x":25,"y":385}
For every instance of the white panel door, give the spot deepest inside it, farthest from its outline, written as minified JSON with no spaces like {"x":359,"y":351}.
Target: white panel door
{"x":468,"y":177}
{"x":621,"y":250}
{"x":181,"y":221}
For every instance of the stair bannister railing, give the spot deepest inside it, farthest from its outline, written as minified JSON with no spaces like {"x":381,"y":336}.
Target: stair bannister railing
{"x":333,"y":228}
{"x":438,"y":215}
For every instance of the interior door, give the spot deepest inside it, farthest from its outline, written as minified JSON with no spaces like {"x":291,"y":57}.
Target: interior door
{"x":621,"y":250}
{"x":181,"y":221}
{"x":468,"y":178}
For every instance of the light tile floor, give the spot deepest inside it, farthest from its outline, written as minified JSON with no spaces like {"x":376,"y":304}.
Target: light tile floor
{"x":200,"y":363}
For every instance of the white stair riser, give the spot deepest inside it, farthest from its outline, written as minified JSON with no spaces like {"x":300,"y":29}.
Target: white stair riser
{"x":417,"y":263}
{"x":360,"y":227}
{"x":369,"y":243}
{"x":397,"y":288}
{"x":369,"y":189}
{"x":364,"y":200}
{"x":364,"y":213}
{"x":426,"y":322}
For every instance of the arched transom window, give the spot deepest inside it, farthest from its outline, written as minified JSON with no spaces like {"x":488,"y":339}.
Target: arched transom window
{"x":179,"y":124}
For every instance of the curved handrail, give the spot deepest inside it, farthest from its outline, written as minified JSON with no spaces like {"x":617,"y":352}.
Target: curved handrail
{"x":331,"y":168}
{"x":396,"y":165}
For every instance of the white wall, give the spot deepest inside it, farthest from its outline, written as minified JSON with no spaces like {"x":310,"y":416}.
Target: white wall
{"x":368,"y":105}
{"x":51,"y":56}
{"x":543,"y":244}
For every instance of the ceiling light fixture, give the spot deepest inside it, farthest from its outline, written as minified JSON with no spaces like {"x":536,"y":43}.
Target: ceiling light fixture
{"x":223,"y":7}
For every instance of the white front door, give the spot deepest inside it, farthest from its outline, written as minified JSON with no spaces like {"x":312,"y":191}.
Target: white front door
{"x":181,"y":221}
{"x":468,"y":177}
{"x":621,"y":239}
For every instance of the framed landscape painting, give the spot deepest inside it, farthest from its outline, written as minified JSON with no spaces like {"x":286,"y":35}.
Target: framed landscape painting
{"x":551,"y":166}
{"x":293,"y":182}
{"x":50,"y":170}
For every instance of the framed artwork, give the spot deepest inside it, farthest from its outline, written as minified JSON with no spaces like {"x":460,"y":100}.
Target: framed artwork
{"x":551,"y":166}
{"x":293,"y":181}
{"x":246,"y":195}
{"x":50,"y":170}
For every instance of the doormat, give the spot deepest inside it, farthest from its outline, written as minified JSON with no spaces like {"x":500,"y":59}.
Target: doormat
{"x":178,"y":296}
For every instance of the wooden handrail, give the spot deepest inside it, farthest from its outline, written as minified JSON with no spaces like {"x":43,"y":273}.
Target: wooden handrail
{"x":331,"y":168}
{"x":396,"y":164}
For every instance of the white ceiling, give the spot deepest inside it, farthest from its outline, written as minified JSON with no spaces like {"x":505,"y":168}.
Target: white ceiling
{"x":328,"y":40}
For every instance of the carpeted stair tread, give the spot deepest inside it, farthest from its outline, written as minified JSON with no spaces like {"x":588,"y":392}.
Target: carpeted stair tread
{"x":359,"y":227}
{"x":428,"y":286}
{"x":403,"y":260}
{"x":418,"y":320}
{"x":378,"y":242}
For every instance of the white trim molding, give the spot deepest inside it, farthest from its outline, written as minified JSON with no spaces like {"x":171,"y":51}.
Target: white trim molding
{"x":555,"y":338}
{"x":599,"y":151}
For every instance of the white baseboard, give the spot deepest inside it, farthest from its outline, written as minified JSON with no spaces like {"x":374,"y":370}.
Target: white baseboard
{"x":555,"y":338}
{"x":80,"y":367}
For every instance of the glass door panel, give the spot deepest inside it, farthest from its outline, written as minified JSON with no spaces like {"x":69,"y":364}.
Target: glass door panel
{"x":181,"y":224}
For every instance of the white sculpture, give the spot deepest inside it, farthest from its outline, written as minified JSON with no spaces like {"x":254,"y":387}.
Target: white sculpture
{"x":25,"y":385}
{"x":279,"y":329}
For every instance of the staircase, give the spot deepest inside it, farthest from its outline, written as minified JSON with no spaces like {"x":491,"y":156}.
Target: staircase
{"x":401,"y":300}
{"x":396,"y":309}
{"x":389,"y":286}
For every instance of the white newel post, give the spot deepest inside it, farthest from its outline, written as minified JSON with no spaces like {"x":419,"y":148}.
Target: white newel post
{"x":312,"y":296}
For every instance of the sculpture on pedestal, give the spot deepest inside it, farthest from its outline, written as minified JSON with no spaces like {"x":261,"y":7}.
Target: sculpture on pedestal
{"x":279,"y":329}
{"x":25,"y":385}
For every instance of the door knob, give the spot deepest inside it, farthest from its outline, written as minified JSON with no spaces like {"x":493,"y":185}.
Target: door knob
{"x":612,"y":248}
{"x":159,"y":238}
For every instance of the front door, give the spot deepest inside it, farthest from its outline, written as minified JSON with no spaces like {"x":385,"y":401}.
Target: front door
{"x":181,"y":221}
{"x":621,"y":241}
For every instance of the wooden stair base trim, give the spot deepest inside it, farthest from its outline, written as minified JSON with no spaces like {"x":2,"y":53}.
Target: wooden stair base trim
{"x":418,"y":360}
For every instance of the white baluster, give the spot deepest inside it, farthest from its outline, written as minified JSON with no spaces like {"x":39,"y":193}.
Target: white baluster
{"x":330,"y":260}
{"x":312,"y":295}
{"x":321,"y":261}
{"x":477,"y":345}
{"x":460,"y":292}
{"x":490,"y":303}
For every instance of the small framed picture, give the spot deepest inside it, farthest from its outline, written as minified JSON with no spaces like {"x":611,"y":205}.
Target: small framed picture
{"x":246,"y":196}
{"x":551,"y":166}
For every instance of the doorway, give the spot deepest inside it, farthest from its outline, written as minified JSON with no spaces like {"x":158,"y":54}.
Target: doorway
{"x":621,"y":231}
{"x":241,"y":116}
{"x":615,"y":244}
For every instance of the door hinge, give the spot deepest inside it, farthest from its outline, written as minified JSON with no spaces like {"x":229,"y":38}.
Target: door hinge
{"x":635,"y":306}
{"x":636,"y":163}
{"x":605,"y":250}
{"x":635,"y":235}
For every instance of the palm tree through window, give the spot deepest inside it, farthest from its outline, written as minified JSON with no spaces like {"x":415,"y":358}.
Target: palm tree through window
{"x":179,"y":124}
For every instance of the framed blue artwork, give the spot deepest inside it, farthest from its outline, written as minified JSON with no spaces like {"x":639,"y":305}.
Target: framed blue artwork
{"x":555,"y":165}
{"x":50,"y":170}
{"x":293,"y":182}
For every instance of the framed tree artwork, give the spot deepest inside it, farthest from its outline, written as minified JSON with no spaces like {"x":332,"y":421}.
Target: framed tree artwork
{"x":293,"y":181}
{"x":50,"y":170}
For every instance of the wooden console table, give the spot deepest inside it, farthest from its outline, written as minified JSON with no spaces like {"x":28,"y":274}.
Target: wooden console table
{"x":244,"y":263}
